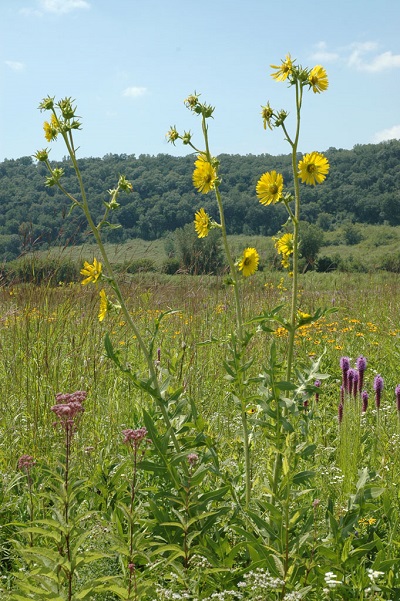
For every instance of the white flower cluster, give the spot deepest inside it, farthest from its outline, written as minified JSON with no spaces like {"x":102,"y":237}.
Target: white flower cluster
{"x":332,"y":473}
{"x":260,"y":580}
{"x":331,"y":581}
{"x":293,"y":596}
{"x":225,"y":596}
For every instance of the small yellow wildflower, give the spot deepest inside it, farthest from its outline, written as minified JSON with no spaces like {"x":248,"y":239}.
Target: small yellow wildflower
{"x":267,"y":113}
{"x":248,"y":264}
{"x":318,"y":79}
{"x":51,"y":129}
{"x":172,"y":135}
{"x":283,"y":70}
{"x":103,"y":309}
{"x":269,"y":188}
{"x":313,"y":168}
{"x":204,"y":175}
{"x":284,"y":245}
{"x":202,"y":223}
{"x":92,"y":272}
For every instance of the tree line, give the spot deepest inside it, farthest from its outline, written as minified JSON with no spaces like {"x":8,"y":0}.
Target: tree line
{"x":363,"y":186}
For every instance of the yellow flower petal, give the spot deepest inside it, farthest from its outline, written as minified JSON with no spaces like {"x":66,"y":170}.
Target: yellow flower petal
{"x":202,"y":223}
{"x":269,"y":188}
{"x":91,"y":271}
{"x":204,"y":175}
{"x":248,"y":264}
{"x":318,"y":79}
{"x":313,"y":168}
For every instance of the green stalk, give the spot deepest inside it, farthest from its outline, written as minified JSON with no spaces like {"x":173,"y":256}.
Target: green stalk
{"x":295,"y":217}
{"x":239,"y":324}
{"x":295,"y":221}
{"x":95,"y":230}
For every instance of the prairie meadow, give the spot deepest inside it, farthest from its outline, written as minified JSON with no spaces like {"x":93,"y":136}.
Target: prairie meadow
{"x":201,"y":437}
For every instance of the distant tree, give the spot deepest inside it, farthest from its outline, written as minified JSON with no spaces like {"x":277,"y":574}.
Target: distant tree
{"x":351,"y":234}
{"x":311,"y":241}
{"x":198,"y":256}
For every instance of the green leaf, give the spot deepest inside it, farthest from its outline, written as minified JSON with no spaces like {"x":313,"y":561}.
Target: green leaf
{"x":279,"y":565}
{"x":302,"y":477}
{"x":170,"y":547}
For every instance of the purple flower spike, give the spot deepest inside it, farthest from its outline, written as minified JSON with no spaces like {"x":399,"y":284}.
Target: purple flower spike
{"x":378,"y":387}
{"x":340,"y":413}
{"x":342,"y":395}
{"x":351,"y":375}
{"x":361,"y":366}
{"x":364,"y":398}
{"x":397,"y":391}
{"x":344,"y":366}
{"x":355,"y":383}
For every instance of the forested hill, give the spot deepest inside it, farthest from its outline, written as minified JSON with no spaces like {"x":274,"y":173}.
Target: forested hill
{"x":363,"y":185}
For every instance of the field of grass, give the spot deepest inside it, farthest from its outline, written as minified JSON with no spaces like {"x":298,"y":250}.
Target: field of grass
{"x":330,"y":531}
{"x":376,"y":243}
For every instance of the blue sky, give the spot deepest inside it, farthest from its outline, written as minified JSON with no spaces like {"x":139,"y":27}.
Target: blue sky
{"x":130,"y":64}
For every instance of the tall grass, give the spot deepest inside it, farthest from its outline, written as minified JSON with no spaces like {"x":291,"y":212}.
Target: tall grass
{"x":51,"y":340}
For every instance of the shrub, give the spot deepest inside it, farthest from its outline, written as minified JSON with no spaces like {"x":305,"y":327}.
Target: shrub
{"x":141,"y":266}
{"x":327,"y":263}
{"x":42,"y":270}
{"x":170,"y":266}
{"x":199,"y":256}
{"x":391,"y":263}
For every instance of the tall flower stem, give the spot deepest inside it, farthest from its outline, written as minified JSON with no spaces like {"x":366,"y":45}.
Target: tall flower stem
{"x":295,"y":217}
{"x":239,"y":324}
{"x":96,"y":233}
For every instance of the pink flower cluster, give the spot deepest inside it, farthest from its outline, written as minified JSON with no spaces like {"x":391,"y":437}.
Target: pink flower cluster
{"x":26,"y":462}
{"x":68,"y":406}
{"x":134,"y":438}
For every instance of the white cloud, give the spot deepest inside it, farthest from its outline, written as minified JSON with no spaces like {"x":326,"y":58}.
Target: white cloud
{"x":390,"y":133}
{"x":322,"y":55}
{"x":372,"y":64}
{"x":15,"y":65}
{"x":58,"y":7}
{"x":134,"y":92}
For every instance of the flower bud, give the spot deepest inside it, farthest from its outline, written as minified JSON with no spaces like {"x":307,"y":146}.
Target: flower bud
{"x":47,"y":104}
{"x":42,"y":155}
{"x":192,"y":101}
{"x":172,"y":135}
{"x":187,"y":137}
{"x":281,"y":117}
{"x":66,"y":108}
{"x":124,"y":184}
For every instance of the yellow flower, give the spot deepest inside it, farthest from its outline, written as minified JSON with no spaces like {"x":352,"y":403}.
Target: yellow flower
{"x":267,"y":113}
{"x":318,"y":79}
{"x":202,"y":223}
{"x":269,"y":188}
{"x":313,"y":168}
{"x":248,"y":264}
{"x":172,"y":135}
{"x":51,"y":129}
{"x":283,"y":70}
{"x":204,"y":175}
{"x":103,"y":309}
{"x":92,"y":272}
{"x":284,"y":245}
{"x":303,"y":315}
